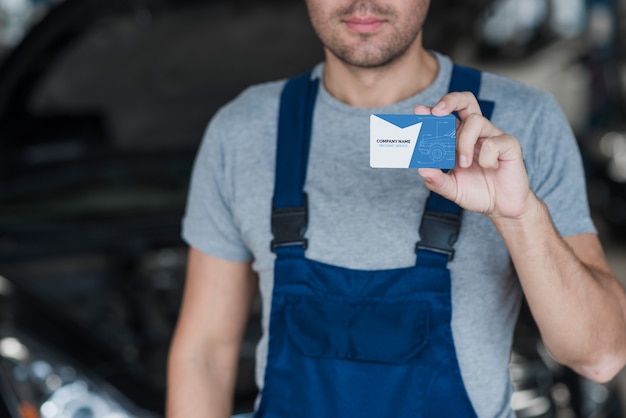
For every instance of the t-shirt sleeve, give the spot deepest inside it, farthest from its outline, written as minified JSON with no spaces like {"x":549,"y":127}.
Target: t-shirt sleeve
{"x":208,"y":223}
{"x":556,"y":173}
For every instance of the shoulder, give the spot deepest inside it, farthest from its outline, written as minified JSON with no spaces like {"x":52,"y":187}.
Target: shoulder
{"x":256,"y":102}
{"x":259,"y":102}
{"x":248,"y":118}
{"x":527,"y":112}
{"x":515,"y":101}
{"x":512,"y":96}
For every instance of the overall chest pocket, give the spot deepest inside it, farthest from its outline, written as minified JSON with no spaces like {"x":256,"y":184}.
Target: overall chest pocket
{"x":378,"y":332}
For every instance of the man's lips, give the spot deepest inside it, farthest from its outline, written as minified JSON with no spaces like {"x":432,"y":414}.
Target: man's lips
{"x":363,"y":24}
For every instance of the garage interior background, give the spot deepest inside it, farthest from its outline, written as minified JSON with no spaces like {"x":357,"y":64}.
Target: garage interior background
{"x":102,"y":106}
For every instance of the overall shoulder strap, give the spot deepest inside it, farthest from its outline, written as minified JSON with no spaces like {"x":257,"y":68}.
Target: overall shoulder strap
{"x":470,"y":79}
{"x":289,"y":205}
{"x":441,"y":222}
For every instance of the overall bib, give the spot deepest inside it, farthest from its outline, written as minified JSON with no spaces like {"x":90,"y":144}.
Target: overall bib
{"x":356,"y":343}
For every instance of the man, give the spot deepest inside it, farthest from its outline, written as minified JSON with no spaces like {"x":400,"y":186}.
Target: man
{"x":363,"y":220}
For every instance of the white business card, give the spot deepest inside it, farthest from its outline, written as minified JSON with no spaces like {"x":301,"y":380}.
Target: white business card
{"x":412,"y":141}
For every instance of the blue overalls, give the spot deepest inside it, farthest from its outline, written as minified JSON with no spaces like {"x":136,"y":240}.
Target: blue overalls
{"x":356,"y":343}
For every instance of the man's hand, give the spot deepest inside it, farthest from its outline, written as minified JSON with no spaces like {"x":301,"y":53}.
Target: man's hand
{"x":490,"y":176}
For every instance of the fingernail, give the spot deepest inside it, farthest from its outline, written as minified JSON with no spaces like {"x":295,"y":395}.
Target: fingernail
{"x":440,"y":105}
{"x":463,"y":161}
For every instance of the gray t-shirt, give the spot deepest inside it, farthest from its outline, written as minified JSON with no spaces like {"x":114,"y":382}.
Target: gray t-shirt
{"x":228,"y":213}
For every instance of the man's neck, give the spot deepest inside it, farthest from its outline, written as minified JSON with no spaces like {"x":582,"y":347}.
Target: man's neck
{"x":381,"y":86}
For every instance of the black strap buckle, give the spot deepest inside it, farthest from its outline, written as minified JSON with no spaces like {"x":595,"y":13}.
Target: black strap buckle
{"x":439,"y":232}
{"x":289,"y":225}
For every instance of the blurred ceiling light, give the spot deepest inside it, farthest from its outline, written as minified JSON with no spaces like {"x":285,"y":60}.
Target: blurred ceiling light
{"x":12,"y":348}
{"x":513,"y":21}
{"x":17,"y":16}
{"x":601,"y":24}
{"x":613,"y":146}
{"x":568,"y":17}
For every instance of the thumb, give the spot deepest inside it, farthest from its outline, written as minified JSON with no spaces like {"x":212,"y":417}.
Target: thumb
{"x":439,"y":182}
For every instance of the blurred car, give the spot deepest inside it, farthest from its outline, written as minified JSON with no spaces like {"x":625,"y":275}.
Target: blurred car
{"x":102,"y":107}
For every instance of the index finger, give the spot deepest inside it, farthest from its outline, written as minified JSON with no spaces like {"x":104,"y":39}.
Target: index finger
{"x":464,"y":103}
{"x":422,"y":110}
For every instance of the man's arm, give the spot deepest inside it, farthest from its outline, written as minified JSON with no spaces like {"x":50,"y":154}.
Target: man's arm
{"x":576,"y":300}
{"x":574,"y":296}
{"x":203,"y":358}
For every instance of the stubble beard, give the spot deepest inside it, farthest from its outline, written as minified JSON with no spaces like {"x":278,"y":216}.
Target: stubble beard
{"x":368,"y":50}
{"x":364,"y":55}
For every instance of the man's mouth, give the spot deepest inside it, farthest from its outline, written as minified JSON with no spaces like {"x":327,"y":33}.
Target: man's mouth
{"x":365,"y":24}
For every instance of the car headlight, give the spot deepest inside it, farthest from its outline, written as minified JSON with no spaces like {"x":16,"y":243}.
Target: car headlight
{"x":36,"y":382}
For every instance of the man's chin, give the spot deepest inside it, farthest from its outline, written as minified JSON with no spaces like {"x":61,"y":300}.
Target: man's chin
{"x":367,"y":54}
{"x":368,"y":61}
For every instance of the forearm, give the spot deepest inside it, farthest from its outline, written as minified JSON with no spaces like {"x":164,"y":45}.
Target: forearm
{"x":204,"y":355}
{"x":579,"y":309}
{"x":200,"y":385}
